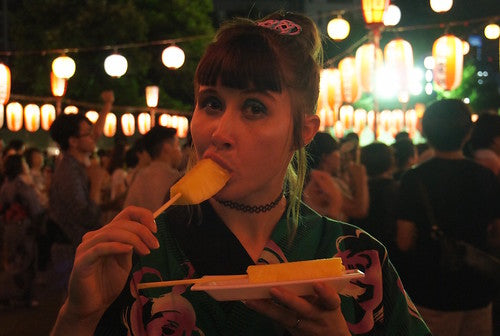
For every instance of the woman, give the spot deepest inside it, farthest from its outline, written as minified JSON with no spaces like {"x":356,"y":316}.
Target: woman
{"x":256,"y":89}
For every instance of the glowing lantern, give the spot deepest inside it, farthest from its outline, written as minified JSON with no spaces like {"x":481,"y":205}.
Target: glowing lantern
{"x":330,"y":92}
{"x":1,"y":115}
{"x":144,"y":122}
{"x":48,"y":115}
{"x":440,"y":6}
{"x":182,"y":127}
{"x":392,"y":15}
{"x":32,"y":117}
{"x":58,"y":85}
{"x":92,"y":116}
{"x":338,"y":129}
{"x":360,"y":116}
{"x":449,"y":57}
{"x":366,"y":65}
{"x":152,"y":96}
{"x":346,"y":116}
{"x":71,"y":109}
{"x":115,"y":65}
{"x":371,"y":119}
{"x":398,"y":56}
{"x":466,"y":47}
{"x":349,"y":80}
{"x":173,"y":57}
{"x":128,"y":124}
{"x":492,"y":31}
{"x":373,"y":11}
{"x":5,"y":78}
{"x":64,"y":67}
{"x":165,"y":120}
{"x":385,"y":121}
{"x":411,"y":120}
{"x":397,"y":121}
{"x":338,"y":29}
{"x":14,"y":116}
{"x":109,"y":129}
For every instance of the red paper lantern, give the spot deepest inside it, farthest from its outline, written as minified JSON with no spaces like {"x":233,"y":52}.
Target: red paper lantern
{"x":373,"y":11}
{"x":349,"y":80}
{"x":366,"y":65}
{"x":449,"y":60}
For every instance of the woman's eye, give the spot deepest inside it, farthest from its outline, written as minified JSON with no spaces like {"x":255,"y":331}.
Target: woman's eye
{"x":211,"y":105}
{"x":254,"y":109}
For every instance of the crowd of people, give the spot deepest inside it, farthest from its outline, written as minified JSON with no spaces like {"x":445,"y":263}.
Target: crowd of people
{"x":85,"y":212}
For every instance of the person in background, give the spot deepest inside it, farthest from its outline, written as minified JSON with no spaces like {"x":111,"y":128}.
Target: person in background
{"x":325,"y":157}
{"x":74,"y":194}
{"x":151,"y":186}
{"x":256,"y":89}
{"x":35,"y":160}
{"x":20,"y":214}
{"x":405,"y":156}
{"x":424,"y":152}
{"x":462,"y":197}
{"x":484,"y":142}
{"x":136,"y":158}
{"x":378,"y":159}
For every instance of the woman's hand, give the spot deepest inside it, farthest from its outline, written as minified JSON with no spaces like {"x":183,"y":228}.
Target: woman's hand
{"x":102,"y":265}
{"x":319,"y":314}
{"x":323,"y":194}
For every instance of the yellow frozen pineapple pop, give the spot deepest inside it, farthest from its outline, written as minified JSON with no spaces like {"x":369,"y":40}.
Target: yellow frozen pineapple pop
{"x":200,"y":183}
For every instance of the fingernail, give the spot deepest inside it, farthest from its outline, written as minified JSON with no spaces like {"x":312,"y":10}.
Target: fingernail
{"x":155,"y":227}
{"x":156,"y":243}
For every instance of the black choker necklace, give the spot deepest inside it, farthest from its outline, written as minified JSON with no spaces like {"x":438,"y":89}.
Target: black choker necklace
{"x":252,"y":208}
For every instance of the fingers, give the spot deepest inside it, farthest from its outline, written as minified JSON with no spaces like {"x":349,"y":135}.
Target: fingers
{"x":327,"y":297}
{"x":141,"y":215}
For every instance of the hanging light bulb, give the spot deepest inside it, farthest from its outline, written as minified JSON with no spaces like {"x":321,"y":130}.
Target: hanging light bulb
{"x":173,"y":57}
{"x":492,"y":31}
{"x":64,"y":67}
{"x":392,"y":15}
{"x":115,"y":65}
{"x":338,"y":28}
{"x":441,"y":6}
{"x":4,"y":84}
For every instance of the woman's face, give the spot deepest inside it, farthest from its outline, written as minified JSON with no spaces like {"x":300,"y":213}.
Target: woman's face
{"x":247,"y":132}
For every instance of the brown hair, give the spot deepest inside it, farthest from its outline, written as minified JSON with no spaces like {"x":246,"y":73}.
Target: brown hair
{"x":247,"y":55}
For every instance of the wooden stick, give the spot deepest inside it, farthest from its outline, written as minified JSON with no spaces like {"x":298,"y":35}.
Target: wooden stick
{"x":166,"y":205}
{"x":204,"y":279}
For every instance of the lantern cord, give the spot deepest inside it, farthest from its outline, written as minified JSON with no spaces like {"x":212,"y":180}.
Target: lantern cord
{"x":107,"y":47}
{"x":442,"y":25}
{"x":94,"y":106}
{"x":348,"y":51}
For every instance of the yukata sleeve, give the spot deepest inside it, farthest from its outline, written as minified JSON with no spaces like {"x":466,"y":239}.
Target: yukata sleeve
{"x":401,"y":317}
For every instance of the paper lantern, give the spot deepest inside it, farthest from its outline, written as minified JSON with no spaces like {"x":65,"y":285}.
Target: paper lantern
{"x":385,"y":121}
{"x":397,"y":121}
{"x":64,"y":67}
{"x":367,"y":61}
{"x":398,"y":56}
{"x":370,"y":120}
{"x":58,"y":85}
{"x":449,"y":57}
{"x":392,"y":15}
{"x":92,"y":116}
{"x":349,"y":80}
{"x":144,"y":122}
{"x":173,"y":57}
{"x":14,"y":116}
{"x":492,"y":31}
{"x":32,"y":117}
{"x":360,"y":116}
{"x":71,"y":109}
{"x":338,"y":129}
{"x":182,"y":127}
{"x":346,"y":116}
{"x":48,"y":115}
{"x":115,"y":65}
{"x":165,"y":120}
{"x":109,"y":129}
{"x":152,"y":96}
{"x":338,"y":29}
{"x":2,"y":108}
{"x":128,"y":124}
{"x":373,"y":11}
{"x":330,"y":94}
{"x":441,"y":6}
{"x":5,"y":79}
{"x":411,"y":120}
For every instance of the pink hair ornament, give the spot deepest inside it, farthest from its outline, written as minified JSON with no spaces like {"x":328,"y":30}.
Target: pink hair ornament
{"x":283,"y":27}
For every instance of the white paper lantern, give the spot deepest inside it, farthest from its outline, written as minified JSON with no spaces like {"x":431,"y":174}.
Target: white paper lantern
{"x":115,"y":65}
{"x":128,"y":124}
{"x":152,"y":95}
{"x":338,"y":29}
{"x":48,"y":115}
{"x":14,"y":116}
{"x":64,"y":67}
{"x":92,"y":116}
{"x":32,"y":117}
{"x":144,"y":122}
{"x":109,"y":129}
{"x":173,"y":57}
{"x":71,"y":109}
{"x":441,"y":6}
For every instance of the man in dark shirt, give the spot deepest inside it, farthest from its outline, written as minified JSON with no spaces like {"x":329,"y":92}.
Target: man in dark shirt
{"x":463,"y":198}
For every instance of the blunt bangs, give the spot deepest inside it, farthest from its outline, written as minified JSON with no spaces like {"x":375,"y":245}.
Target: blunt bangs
{"x":240,"y":62}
